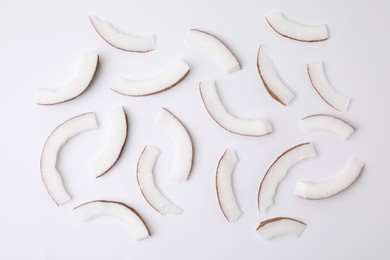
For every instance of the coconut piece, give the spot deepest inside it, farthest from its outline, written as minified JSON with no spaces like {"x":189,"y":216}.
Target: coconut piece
{"x":321,"y":190}
{"x":121,"y":40}
{"x":215,"y":48}
{"x":214,"y":106}
{"x":271,"y":80}
{"x":182,"y":142}
{"x":76,"y":87}
{"x":278,"y":170}
{"x":225,"y":194}
{"x":50,"y":175}
{"x":322,"y":86}
{"x":296,"y":31}
{"x":280,"y":226}
{"x":147,"y":186}
{"x":166,"y":80}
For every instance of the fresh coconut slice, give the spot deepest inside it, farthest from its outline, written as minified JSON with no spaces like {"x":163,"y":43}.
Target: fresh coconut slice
{"x":214,"y":106}
{"x":116,"y":141}
{"x":225,"y":194}
{"x":147,"y":186}
{"x":321,"y":190}
{"x":322,"y":86}
{"x":50,"y":175}
{"x":327,"y":123}
{"x":76,"y":87}
{"x":278,"y":170}
{"x":120,"y":40}
{"x":296,"y":31}
{"x":215,"y":48}
{"x":280,"y":226}
{"x":182,"y":142}
{"x":271,"y":80}
{"x":119,"y":210}
{"x":166,"y":80}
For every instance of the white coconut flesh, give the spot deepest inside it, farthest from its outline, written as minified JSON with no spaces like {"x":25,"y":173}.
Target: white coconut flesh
{"x":280,"y":226}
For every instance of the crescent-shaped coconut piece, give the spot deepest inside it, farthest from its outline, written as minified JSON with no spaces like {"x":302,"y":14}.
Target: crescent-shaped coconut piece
{"x":50,"y":175}
{"x":121,"y":40}
{"x":182,"y":142}
{"x":227,"y":200}
{"x":270,"y":78}
{"x":119,"y":210}
{"x":321,"y":190}
{"x":297,"y":31}
{"x":73,"y":89}
{"x":215,"y":48}
{"x":116,"y":141}
{"x":322,"y":86}
{"x":147,"y":186}
{"x":216,"y":109}
{"x":278,"y":170}
{"x":162,"y":82}
{"x":280,"y":226}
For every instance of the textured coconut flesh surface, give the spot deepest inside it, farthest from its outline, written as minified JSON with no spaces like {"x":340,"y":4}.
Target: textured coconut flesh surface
{"x":50,"y":175}
{"x":215,"y":48}
{"x":116,"y":140}
{"x":75,"y":87}
{"x":182,"y":144}
{"x":121,"y":40}
{"x":213,"y":104}
{"x":278,"y":170}
{"x":324,"y":89}
{"x":271,"y":79}
{"x":147,"y":185}
{"x":114,"y":209}
{"x":226,"y":198}
{"x":280,"y":227}
{"x":167,"y":79}
{"x":327,"y":123}
{"x":320,"y":190}
{"x":297,"y":31}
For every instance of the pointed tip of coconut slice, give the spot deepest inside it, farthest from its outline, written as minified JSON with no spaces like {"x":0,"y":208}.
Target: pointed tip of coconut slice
{"x":280,"y":226}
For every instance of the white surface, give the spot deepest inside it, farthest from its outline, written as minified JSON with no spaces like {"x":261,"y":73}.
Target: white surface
{"x":42,"y":39}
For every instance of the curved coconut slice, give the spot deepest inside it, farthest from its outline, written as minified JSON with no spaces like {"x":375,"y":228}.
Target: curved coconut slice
{"x":296,"y":31}
{"x":226,"y":198}
{"x":116,"y":141}
{"x":278,"y":170}
{"x":182,"y":141}
{"x":76,"y":87}
{"x":215,"y":48}
{"x":119,"y":210}
{"x":147,"y":186}
{"x":214,"y":106}
{"x":328,"y":123}
{"x":280,"y":226}
{"x":120,"y":40}
{"x":166,"y":80}
{"x":271,"y":80}
{"x":321,"y":190}
{"x":324,"y":89}
{"x":50,"y":176}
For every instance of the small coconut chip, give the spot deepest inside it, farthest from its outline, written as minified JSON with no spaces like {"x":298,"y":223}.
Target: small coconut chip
{"x":147,"y":186}
{"x":214,"y":106}
{"x":119,"y":210}
{"x":321,"y":190}
{"x":322,"y":86}
{"x":215,"y":48}
{"x":75,"y":87}
{"x":271,"y":80}
{"x":120,"y":40}
{"x":278,"y":170}
{"x":296,"y":31}
{"x":50,"y":175}
{"x":166,"y":80}
{"x":280,"y":226}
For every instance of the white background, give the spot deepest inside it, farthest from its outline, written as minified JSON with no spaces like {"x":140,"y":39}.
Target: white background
{"x":41,"y":46}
